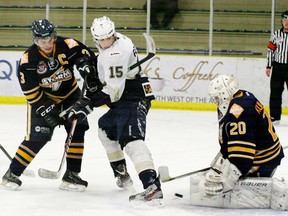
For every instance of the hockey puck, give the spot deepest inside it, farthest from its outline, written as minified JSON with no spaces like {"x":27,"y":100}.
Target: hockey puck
{"x":178,"y":195}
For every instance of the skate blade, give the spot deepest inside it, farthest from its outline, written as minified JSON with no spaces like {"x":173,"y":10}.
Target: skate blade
{"x":140,"y":204}
{"x":72,"y":187}
{"x":9,"y":185}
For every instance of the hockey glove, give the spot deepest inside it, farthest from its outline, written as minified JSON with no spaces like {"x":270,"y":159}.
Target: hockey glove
{"x":50,"y":112}
{"x":222,"y":177}
{"x":80,"y":110}
{"x":85,"y":68}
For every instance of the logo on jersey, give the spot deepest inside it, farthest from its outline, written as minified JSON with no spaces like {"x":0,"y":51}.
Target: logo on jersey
{"x":115,"y":53}
{"x":55,"y":80}
{"x":147,"y":89}
{"x":236,"y":110}
{"x":43,"y":130}
{"x":53,"y":63}
{"x":42,"y":67}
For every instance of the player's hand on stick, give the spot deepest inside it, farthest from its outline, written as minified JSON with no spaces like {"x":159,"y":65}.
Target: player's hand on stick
{"x":80,"y":110}
{"x":50,"y":112}
{"x":85,"y":68}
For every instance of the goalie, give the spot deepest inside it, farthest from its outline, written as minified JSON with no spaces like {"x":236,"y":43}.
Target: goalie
{"x":250,"y":151}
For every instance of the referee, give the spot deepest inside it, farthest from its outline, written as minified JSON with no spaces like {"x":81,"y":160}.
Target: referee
{"x":277,"y":60}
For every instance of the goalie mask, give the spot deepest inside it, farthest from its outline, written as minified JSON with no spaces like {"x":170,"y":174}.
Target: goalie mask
{"x":221,"y":90}
{"x":102,"y":28}
{"x":43,"y":29}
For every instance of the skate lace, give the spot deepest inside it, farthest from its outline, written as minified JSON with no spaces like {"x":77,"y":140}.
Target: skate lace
{"x":148,"y":191}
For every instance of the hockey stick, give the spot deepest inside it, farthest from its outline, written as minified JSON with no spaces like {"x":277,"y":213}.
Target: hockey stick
{"x":48,"y":174}
{"x":165,"y":177}
{"x":151,"y":51}
{"x":29,"y":173}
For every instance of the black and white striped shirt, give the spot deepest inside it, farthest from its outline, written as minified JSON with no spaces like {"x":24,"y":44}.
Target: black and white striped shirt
{"x":277,"y":50}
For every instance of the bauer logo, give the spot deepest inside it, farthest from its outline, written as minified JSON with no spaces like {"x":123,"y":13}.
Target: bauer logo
{"x":44,"y":130}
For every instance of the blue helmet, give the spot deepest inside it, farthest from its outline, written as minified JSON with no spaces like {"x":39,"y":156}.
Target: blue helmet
{"x":42,"y":29}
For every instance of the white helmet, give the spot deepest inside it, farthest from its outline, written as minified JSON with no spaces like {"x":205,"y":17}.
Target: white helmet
{"x":102,"y":28}
{"x":221,"y":90}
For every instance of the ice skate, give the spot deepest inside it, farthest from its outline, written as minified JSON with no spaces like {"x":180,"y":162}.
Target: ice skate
{"x":71,"y":181}
{"x":123,"y":178}
{"x":10,"y":181}
{"x":152,"y":194}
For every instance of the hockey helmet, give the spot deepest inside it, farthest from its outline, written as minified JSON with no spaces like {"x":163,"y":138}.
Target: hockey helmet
{"x":221,"y":90}
{"x":102,"y":28}
{"x":284,"y":15}
{"x":42,"y":29}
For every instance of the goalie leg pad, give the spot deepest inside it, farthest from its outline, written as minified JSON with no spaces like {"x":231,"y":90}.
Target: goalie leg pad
{"x":279,"y":198}
{"x":113,"y":149}
{"x":251,"y":193}
{"x":248,"y":193}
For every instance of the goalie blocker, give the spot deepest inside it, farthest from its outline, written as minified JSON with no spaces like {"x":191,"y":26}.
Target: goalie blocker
{"x":258,"y":193}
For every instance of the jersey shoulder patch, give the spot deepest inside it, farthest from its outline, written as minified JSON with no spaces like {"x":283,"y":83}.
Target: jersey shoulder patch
{"x":71,"y":43}
{"x":24,"y":58}
{"x":236,"y":110}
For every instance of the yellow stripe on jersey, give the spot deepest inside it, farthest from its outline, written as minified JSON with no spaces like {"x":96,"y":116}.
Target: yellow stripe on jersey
{"x":266,"y":155}
{"x":241,"y":156}
{"x":241,"y":149}
{"x":263,"y":152}
{"x":267,"y":159}
{"x":242,"y":142}
{"x":58,"y":99}
{"x":33,"y":95}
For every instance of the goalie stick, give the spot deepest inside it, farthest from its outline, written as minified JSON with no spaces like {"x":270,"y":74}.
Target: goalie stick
{"x":48,"y":174}
{"x":29,"y":173}
{"x":165,"y":176}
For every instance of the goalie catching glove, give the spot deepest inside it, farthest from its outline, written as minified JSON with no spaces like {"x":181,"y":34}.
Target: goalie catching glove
{"x":50,"y":112}
{"x":221,"y":178}
{"x":80,"y":110}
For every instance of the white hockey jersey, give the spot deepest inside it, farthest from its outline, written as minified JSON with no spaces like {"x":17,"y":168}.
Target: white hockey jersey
{"x":113,"y":64}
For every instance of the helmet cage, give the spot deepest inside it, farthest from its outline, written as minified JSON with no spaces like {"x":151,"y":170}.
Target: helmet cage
{"x":221,"y":90}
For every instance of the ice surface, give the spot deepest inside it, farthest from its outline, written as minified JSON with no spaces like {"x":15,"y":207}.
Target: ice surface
{"x":182,"y":140}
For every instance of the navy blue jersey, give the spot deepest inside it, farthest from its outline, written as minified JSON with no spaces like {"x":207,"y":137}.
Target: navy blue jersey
{"x":43,"y":77}
{"x":247,"y":136}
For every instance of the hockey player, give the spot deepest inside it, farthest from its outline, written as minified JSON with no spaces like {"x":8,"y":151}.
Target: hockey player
{"x":48,"y":82}
{"x":249,"y":147}
{"x":128,"y":94}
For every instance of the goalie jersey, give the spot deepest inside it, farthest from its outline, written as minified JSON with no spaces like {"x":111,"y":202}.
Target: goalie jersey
{"x":42,"y":77}
{"x":247,"y":136}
